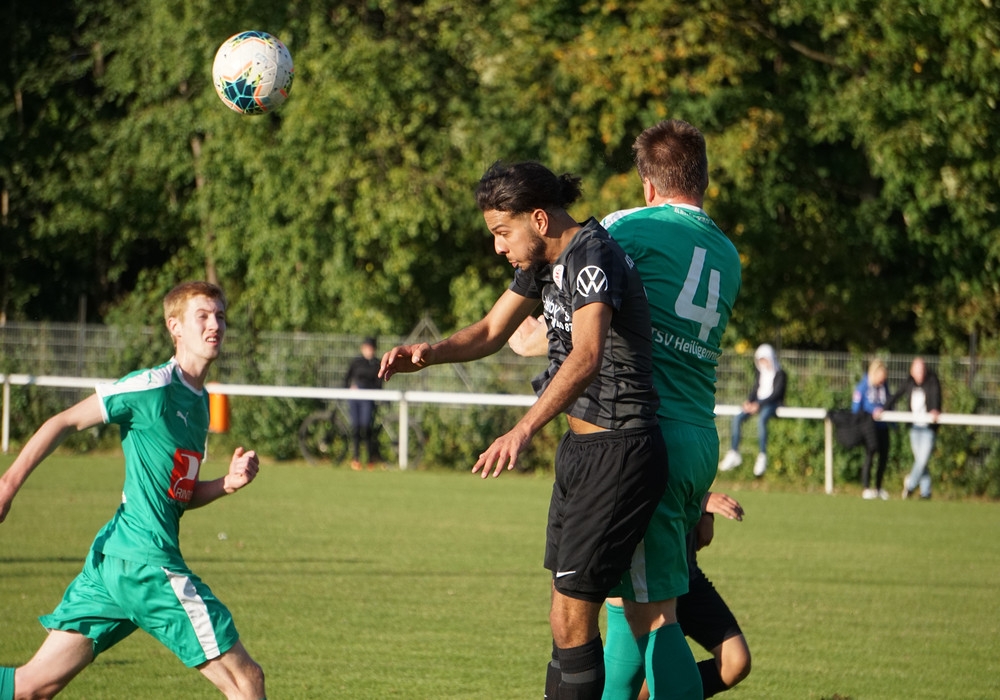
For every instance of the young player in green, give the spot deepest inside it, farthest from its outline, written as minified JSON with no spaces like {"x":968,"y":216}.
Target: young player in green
{"x":692,"y":275}
{"x":134,"y":576}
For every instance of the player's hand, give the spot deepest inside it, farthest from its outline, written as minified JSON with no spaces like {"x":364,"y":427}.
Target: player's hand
{"x":243,"y":469}
{"x":529,"y":339}
{"x":724,"y":505}
{"x":404,"y":358}
{"x":503,"y":451}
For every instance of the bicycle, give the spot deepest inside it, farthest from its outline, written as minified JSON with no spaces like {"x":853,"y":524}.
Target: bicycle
{"x":325,"y":437}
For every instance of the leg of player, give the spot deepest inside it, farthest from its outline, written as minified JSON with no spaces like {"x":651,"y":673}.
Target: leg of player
{"x":60,"y":658}
{"x":671,"y":671}
{"x":625,"y":666}
{"x":237,"y":675}
{"x":579,"y":650}
{"x":732,"y":661}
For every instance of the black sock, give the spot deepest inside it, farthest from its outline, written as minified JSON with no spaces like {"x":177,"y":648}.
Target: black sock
{"x":552,"y":676}
{"x":582,"y":670}
{"x":711,"y":680}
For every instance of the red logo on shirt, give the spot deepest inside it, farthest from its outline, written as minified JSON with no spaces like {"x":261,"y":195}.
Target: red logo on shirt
{"x":185,"y":475}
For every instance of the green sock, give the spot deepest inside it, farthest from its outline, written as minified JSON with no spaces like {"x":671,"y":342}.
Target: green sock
{"x":623,"y":664}
{"x":6,"y":683}
{"x":671,"y":671}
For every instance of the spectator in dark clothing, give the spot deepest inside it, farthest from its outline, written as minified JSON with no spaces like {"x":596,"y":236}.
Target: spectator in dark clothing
{"x":922,"y":394}
{"x":363,"y":374}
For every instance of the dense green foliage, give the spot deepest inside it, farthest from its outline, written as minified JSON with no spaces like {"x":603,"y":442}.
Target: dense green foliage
{"x":430,"y":585}
{"x":853,"y":146}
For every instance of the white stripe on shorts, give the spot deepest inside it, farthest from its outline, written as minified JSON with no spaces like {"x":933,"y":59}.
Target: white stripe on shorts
{"x":640,"y":584}
{"x":197,"y":612}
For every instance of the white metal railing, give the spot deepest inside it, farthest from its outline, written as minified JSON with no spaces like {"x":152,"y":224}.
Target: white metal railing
{"x":405,"y":398}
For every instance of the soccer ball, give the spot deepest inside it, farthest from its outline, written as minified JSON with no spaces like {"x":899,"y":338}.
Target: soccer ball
{"x":253,"y":72}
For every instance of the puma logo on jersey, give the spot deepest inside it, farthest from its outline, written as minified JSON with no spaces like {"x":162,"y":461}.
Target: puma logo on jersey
{"x":183,"y":417}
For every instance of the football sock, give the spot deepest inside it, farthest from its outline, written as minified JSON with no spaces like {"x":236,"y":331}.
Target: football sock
{"x":623,"y":662}
{"x":582,"y":671}
{"x":6,"y":683}
{"x":711,"y":679}
{"x":671,"y":671}
{"x":552,"y":676}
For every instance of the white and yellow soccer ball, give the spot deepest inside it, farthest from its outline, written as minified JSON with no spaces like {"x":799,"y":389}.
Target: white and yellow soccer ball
{"x":253,"y":72}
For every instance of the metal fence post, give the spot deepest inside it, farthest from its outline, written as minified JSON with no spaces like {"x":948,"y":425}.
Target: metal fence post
{"x":5,"y":438}
{"x":404,"y":432}
{"x":828,"y":453}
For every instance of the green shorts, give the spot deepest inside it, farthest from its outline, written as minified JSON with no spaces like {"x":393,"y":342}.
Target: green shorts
{"x":112,"y":597}
{"x":659,"y":566}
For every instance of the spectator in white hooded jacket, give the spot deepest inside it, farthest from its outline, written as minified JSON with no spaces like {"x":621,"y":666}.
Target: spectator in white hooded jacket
{"x":767,"y":393}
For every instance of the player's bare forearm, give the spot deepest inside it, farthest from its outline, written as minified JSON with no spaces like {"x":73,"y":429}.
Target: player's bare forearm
{"x":243,"y":469}
{"x":482,"y":338}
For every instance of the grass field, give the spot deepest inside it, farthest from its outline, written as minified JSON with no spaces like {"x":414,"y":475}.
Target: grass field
{"x":429,"y":585}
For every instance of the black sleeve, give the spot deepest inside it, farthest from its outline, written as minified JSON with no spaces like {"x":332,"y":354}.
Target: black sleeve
{"x":780,"y":384}
{"x":932,"y":389}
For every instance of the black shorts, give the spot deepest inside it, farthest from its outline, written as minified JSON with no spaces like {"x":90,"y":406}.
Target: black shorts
{"x":703,"y":614}
{"x":606,"y":489}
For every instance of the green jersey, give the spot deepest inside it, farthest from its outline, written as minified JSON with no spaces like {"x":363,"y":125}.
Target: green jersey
{"x":164,"y":429}
{"x":692,"y":275}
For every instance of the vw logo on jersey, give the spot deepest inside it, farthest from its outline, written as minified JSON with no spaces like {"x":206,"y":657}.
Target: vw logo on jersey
{"x":557,"y":275}
{"x":591,"y":280}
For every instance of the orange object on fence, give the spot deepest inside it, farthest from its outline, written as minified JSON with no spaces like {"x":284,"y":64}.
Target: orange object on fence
{"x":218,"y":412}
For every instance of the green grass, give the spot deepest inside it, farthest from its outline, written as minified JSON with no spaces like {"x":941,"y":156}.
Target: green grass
{"x":430,"y":585}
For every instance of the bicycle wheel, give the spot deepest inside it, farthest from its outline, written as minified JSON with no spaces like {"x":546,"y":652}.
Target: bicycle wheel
{"x":323,"y":438}
{"x":388,"y":443}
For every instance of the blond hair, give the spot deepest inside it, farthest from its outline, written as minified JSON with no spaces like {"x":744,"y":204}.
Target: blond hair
{"x":874,"y":368}
{"x":175,"y":302}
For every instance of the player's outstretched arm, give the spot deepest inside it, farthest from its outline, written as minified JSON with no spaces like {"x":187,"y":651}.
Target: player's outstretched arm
{"x":482,"y":338}
{"x":46,"y":439}
{"x":243,"y":469}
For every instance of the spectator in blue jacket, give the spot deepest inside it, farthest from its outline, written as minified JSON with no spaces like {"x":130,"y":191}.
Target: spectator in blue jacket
{"x":870,"y":397}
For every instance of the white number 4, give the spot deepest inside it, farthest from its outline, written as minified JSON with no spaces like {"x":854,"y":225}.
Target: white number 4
{"x":685,"y":307}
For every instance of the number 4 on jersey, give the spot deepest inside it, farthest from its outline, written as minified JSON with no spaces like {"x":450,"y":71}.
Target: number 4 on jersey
{"x":685,"y":306}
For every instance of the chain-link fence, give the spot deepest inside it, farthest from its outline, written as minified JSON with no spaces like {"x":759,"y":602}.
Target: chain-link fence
{"x":286,"y":359}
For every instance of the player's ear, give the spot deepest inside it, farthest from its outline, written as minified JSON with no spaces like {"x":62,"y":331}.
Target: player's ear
{"x":174,"y":327}
{"x":539,"y":219}
{"x":648,"y":191}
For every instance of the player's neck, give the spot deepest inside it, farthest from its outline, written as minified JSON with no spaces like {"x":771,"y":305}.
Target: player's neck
{"x":194,"y":369}
{"x":673,"y":201}
{"x":566,"y":227}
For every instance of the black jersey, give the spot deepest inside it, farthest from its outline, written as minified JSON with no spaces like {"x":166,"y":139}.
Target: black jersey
{"x":594,"y":268}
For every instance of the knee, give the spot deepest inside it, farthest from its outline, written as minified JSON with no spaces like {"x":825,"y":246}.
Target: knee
{"x":734,"y":661}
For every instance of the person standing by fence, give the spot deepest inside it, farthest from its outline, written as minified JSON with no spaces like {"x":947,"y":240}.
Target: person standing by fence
{"x":922,"y":390}
{"x":870,"y":396}
{"x":362,"y":373}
